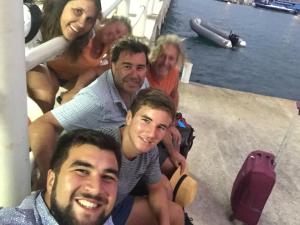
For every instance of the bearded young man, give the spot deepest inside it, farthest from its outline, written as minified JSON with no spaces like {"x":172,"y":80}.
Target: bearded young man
{"x":81,"y":184}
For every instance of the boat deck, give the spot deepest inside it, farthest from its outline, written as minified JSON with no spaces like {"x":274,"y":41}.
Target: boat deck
{"x":228,"y":125}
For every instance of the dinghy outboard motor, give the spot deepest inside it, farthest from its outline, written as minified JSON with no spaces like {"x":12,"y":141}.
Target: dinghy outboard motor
{"x":234,"y":38}
{"x":32,"y":20}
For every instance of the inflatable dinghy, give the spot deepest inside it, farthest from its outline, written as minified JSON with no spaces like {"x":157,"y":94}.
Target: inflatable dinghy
{"x":220,"y":37}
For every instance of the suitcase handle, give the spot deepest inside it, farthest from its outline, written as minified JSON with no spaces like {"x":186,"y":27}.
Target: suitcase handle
{"x":269,"y":158}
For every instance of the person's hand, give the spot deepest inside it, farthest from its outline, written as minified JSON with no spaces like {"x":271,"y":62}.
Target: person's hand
{"x":104,"y":65}
{"x":178,"y":160}
{"x":104,"y":61}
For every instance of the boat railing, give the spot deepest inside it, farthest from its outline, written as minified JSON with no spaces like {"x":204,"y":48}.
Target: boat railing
{"x":110,"y":7}
{"x":140,"y":21}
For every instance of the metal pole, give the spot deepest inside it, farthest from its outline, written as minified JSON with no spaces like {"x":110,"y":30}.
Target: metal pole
{"x":127,"y":6}
{"x":14,"y":155}
{"x":186,"y":72}
{"x":152,"y":7}
{"x":144,"y":18}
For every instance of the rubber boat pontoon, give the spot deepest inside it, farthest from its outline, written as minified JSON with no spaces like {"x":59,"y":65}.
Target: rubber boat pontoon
{"x":220,"y":37}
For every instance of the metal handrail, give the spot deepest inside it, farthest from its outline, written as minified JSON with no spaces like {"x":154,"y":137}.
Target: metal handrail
{"x":111,"y":7}
{"x":140,"y":13}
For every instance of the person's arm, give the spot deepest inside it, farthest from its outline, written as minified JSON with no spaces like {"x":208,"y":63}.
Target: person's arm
{"x":175,"y":95}
{"x":43,"y":134}
{"x":172,"y":145}
{"x":159,"y":202}
{"x":84,"y":80}
{"x":98,"y":64}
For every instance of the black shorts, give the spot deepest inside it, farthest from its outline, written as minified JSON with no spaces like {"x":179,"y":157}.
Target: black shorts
{"x":121,"y":211}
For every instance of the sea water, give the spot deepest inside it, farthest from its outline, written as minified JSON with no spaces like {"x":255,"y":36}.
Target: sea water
{"x":268,"y":65}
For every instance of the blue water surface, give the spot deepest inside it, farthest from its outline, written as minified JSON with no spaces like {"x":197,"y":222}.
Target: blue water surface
{"x":269,"y":65}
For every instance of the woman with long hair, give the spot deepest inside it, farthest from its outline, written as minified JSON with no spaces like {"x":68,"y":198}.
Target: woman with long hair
{"x":72,"y":19}
{"x":94,"y":58}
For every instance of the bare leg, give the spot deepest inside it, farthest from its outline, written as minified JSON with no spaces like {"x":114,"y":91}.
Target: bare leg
{"x":167,"y":186}
{"x":141,"y":213}
{"x":43,"y":134}
{"x":42,"y":87}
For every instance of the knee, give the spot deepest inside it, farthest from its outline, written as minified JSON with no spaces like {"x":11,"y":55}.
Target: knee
{"x":43,"y":96}
{"x":167,"y":168}
{"x":49,"y":97}
{"x":176,"y":213}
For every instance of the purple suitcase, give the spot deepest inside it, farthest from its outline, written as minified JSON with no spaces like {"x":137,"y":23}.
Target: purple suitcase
{"x":252,"y":187}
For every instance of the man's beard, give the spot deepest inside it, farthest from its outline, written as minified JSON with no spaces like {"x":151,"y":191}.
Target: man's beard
{"x":66,"y":216}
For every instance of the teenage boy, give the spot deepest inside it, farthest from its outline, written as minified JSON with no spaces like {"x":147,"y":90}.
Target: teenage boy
{"x":147,"y":121}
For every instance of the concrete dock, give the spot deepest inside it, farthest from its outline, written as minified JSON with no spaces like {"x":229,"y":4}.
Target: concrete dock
{"x":228,"y":125}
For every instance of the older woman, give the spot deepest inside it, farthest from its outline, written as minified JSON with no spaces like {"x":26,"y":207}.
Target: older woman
{"x":166,"y":58}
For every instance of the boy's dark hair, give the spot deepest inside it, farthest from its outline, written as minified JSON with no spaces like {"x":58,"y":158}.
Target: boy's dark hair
{"x":80,"y":137}
{"x":50,"y":27}
{"x":155,"y":99}
{"x":129,"y":44}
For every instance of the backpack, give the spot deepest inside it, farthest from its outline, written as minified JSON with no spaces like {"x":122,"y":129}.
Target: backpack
{"x":187,"y":133}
